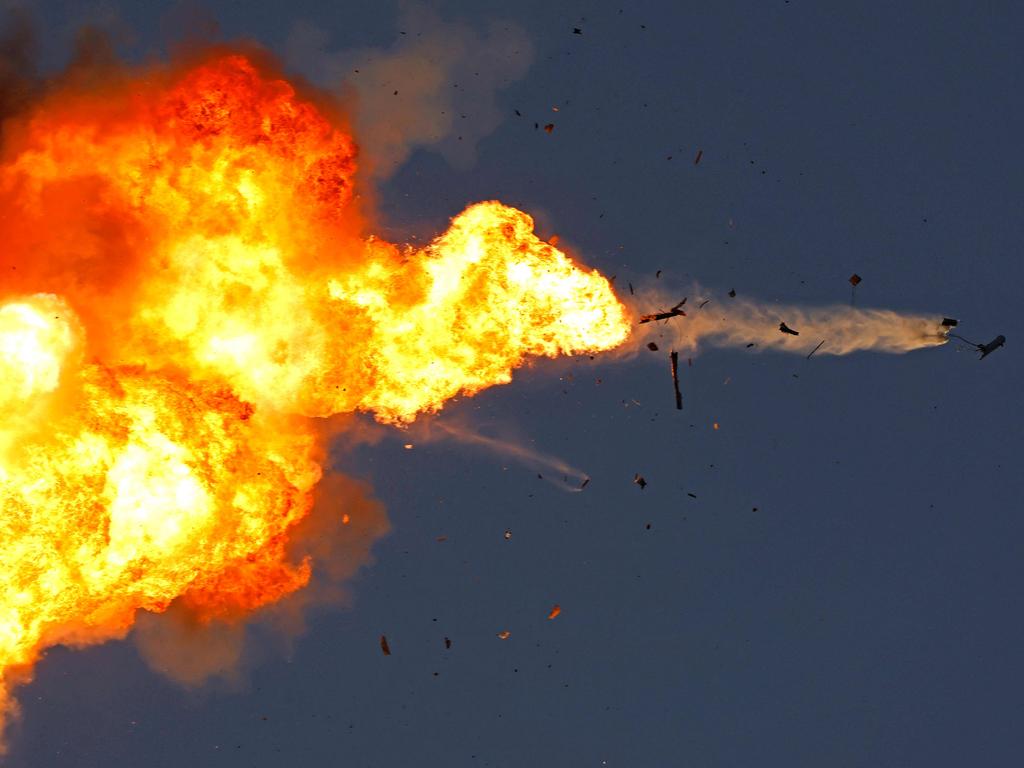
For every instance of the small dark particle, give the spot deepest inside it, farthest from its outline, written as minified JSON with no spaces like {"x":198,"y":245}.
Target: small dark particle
{"x":639,"y":480}
{"x":540,"y":476}
{"x":701,"y":305}
{"x":577,"y":31}
{"x":385,"y":648}
{"x":652,"y":346}
{"x":692,"y":495}
{"x":518,"y":113}
{"x":549,"y":127}
{"x":587,"y":480}
{"x":755,"y":509}
{"x":395,"y":93}
{"x":657,"y":274}
{"x":508,"y":534}
{"x":855,"y":279}
{"x":631,"y":289}
{"x":536,"y":126}
{"x":700,"y":154}
{"x":732,"y":293}
{"x":949,"y":322}
{"x":448,"y":642}
{"x":648,"y":526}
{"x":751,"y":344}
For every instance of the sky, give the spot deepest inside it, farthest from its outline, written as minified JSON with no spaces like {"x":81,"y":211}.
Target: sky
{"x":830,"y":577}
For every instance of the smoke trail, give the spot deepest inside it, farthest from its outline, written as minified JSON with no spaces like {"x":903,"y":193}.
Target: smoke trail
{"x":528,"y":456}
{"x":742,"y":323}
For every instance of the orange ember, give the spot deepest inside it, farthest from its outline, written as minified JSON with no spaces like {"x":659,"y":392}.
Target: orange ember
{"x":187,"y":281}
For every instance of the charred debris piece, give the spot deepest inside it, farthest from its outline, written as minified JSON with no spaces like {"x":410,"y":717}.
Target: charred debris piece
{"x":384,"y":647}
{"x":674,"y":359}
{"x":992,"y":346}
{"x":855,"y":280}
{"x":786,"y":329}
{"x":639,"y":480}
{"x":820,"y":343}
{"x":676,"y":311}
{"x":652,"y":346}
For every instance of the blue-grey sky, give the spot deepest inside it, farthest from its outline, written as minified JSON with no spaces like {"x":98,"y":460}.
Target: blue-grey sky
{"x":842,"y":590}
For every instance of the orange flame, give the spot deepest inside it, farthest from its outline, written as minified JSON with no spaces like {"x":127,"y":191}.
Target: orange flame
{"x":187,"y":281}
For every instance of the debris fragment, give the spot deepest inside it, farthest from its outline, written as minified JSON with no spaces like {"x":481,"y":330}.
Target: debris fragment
{"x":786,"y":329}
{"x":674,"y":358}
{"x":949,"y":322}
{"x":345,"y":519}
{"x":674,"y":312}
{"x":549,"y":127}
{"x":692,"y":495}
{"x":751,"y":344}
{"x":732,"y":293}
{"x":657,"y":274}
{"x":557,"y":609}
{"x":700,"y":154}
{"x":508,"y":534}
{"x":584,"y":483}
{"x":447,"y":643}
{"x":816,"y":348}
{"x":385,"y":648}
{"x":630,"y":289}
{"x":639,"y":480}
{"x":441,"y":538}
{"x":577,"y":31}
{"x":504,"y":634}
{"x":992,"y":346}
{"x":854,"y":281}
{"x":701,"y":305}
{"x":408,"y":446}
{"x":652,"y":346}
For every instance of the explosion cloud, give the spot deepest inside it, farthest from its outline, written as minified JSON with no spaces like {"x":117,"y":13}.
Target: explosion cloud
{"x":188,"y":283}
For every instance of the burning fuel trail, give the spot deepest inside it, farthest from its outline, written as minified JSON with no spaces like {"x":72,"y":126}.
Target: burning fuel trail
{"x":188,"y":282}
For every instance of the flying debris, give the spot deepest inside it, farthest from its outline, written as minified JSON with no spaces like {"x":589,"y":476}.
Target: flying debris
{"x":385,"y":648}
{"x":674,"y":357}
{"x":676,"y":311}
{"x":949,"y":322}
{"x":504,"y":634}
{"x":786,"y":329}
{"x":992,"y":346}
{"x":557,"y":609}
{"x":732,"y":293}
{"x":854,"y":282}
{"x":652,"y":346}
{"x":639,"y":480}
{"x":816,"y":348}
